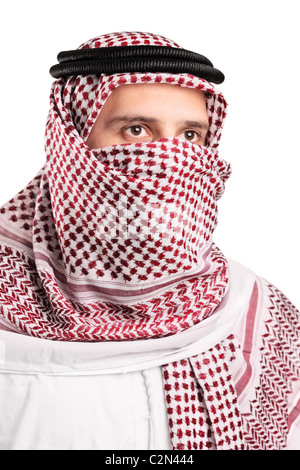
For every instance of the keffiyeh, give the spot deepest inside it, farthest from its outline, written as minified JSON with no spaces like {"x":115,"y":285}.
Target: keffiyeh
{"x":115,"y":244}
{"x":118,"y":240}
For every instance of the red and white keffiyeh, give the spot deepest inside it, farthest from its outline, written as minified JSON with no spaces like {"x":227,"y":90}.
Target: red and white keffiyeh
{"x":118,"y":240}
{"x":116,"y":244}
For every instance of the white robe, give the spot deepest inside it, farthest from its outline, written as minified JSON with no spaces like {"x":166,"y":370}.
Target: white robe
{"x":110,"y":395}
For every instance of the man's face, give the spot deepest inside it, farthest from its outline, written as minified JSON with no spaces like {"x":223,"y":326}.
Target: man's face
{"x":149,"y":112}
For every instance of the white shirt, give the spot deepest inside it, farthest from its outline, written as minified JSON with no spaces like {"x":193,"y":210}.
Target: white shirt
{"x":109,"y":395}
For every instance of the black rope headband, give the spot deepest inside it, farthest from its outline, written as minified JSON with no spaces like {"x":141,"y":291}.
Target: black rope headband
{"x":126,"y":59}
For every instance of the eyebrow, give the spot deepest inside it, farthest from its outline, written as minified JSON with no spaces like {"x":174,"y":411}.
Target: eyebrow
{"x":129,"y":119}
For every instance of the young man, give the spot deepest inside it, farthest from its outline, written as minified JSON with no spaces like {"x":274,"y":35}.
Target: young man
{"x":123,"y":325}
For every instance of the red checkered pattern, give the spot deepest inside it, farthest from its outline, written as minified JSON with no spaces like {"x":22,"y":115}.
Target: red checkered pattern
{"x":101,"y":227}
{"x":202,"y":401}
{"x":133,"y":213}
{"x":80,"y":99}
{"x":116,"y":243}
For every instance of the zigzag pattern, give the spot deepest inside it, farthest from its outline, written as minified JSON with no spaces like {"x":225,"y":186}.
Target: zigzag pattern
{"x":266,"y":428}
{"x":70,"y":211}
{"x":34,"y":303}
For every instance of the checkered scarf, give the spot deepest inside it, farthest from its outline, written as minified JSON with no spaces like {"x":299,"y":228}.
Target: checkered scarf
{"x":116,"y":243}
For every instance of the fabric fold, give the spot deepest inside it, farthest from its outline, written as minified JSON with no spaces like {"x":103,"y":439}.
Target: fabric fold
{"x":115,"y":243}
{"x":202,"y":401}
{"x":108,"y":266}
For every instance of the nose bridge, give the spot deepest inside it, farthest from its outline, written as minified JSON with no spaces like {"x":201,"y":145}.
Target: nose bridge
{"x":166,"y":129}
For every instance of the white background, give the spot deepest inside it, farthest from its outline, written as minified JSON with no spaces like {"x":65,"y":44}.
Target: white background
{"x":255,"y":43}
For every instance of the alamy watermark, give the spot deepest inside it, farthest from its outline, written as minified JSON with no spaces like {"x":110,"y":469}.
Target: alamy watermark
{"x":126,"y":220}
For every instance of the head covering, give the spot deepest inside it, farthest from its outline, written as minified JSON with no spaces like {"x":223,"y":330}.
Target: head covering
{"x":84,"y":233}
{"x":116,"y":243}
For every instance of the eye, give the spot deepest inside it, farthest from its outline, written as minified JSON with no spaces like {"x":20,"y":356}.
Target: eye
{"x":191,"y":135}
{"x":136,"y":131}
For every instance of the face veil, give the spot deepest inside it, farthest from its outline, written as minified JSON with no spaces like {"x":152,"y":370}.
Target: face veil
{"x":116,"y":239}
{"x":116,"y":244}
{"x":108,"y":267}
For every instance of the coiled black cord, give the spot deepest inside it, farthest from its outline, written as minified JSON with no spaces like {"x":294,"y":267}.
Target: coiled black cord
{"x":143,"y":59}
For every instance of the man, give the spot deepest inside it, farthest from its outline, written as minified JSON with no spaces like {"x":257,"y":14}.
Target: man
{"x":123,"y":325}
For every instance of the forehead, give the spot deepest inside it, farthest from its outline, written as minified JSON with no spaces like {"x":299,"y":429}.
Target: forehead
{"x":87,"y":95}
{"x":165,"y":98}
